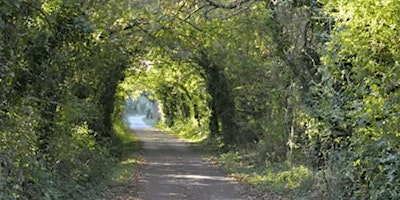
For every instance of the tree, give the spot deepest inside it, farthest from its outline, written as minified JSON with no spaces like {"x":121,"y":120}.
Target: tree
{"x":54,"y":96}
{"x":358,"y":96}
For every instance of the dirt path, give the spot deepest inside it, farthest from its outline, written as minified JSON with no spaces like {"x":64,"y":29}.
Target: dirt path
{"x":173,"y":170}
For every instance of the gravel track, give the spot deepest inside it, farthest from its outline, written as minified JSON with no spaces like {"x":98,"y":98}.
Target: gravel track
{"x":174,"y":170}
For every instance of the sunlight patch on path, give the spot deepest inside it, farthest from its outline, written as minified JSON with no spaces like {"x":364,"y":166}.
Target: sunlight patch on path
{"x":199,"y":177}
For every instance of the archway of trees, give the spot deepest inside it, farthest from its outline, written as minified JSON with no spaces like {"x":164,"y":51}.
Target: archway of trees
{"x":311,"y":83}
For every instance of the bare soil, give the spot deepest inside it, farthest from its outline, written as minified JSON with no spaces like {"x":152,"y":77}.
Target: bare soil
{"x":174,"y":170}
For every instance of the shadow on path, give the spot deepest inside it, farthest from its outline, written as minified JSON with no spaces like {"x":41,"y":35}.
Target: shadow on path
{"x":175,"y":171}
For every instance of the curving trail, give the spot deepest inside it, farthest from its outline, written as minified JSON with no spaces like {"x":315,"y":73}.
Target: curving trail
{"x":173,"y":170}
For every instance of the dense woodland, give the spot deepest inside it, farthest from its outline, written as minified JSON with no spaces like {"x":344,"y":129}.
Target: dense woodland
{"x":310,"y":84}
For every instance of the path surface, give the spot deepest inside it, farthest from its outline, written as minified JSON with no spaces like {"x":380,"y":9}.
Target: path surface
{"x":173,"y":170}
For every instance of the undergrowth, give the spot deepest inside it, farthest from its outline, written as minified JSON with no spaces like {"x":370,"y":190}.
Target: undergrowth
{"x":123,"y":173}
{"x":72,"y":168}
{"x":189,"y":130}
{"x":290,"y":181}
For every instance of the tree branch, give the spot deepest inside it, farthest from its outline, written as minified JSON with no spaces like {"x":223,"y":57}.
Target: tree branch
{"x":193,"y":12}
{"x":232,"y":5}
{"x":234,"y":14}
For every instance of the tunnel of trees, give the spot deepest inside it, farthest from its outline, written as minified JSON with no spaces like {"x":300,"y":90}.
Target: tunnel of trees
{"x":307,"y":82}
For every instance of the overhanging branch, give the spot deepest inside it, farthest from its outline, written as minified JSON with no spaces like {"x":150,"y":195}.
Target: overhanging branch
{"x":232,"y":5}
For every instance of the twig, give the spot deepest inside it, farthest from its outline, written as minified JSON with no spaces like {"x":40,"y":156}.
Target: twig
{"x":232,"y":5}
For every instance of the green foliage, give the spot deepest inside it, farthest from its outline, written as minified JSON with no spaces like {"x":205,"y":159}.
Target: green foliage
{"x":357,"y":110}
{"x":57,"y":97}
{"x":282,"y":178}
{"x":376,"y":165}
{"x":189,"y":130}
{"x":294,"y":178}
{"x":127,"y":146}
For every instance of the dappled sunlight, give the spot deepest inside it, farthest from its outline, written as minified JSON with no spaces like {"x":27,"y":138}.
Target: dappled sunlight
{"x":130,"y":161}
{"x":173,"y":164}
{"x":174,"y":170}
{"x":198,"y":177}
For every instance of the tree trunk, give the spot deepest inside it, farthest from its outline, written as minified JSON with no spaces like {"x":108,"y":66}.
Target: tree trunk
{"x":222,"y":119}
{"x":213,"y":124}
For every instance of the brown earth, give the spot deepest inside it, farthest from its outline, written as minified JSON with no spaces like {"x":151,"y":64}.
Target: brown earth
{"x":174,"y":170}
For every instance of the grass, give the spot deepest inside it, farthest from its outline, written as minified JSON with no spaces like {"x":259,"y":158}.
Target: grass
{"x":124,"y":172}
{"x":187,"y":130}
{"x":287,"y":180}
